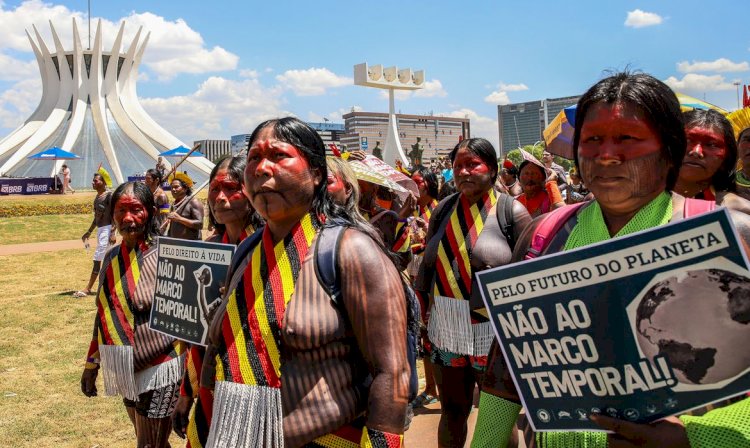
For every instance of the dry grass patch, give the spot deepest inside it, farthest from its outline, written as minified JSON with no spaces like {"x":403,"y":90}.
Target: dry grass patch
{"x":43,"y":342}
{"x":35,"y":229}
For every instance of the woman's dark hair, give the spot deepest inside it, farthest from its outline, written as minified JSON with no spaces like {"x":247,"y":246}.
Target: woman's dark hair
{"x":723,"y":179}
{"x":654,"y":98}
{"x":144,"y":195}
{"x":482,"y":148}
{"x":235,"y":167}
{"x":429,"y":178}
{"x":155,"y":174}
{"x":101,"y":178}
{"x":300,"y":135}
{"x":446,"y":190}
{"x":527,"y":162}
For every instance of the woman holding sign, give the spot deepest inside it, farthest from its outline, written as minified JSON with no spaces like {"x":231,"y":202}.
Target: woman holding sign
{"x":140,"y":364}
{"x":233,"y":218}
{"x":297,"y":363}
{"x":630,"y":144}
{"x":466,"y":235}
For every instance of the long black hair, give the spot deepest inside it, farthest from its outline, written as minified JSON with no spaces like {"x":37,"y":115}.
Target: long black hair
{"x":235,"y":167}
{"x":300,"y":135}
{"x":144,"y":195}
{"x":429,"y":178}
{"x":480,"y":147}
{"x":723,"y":178}
{"x":654,"y":98}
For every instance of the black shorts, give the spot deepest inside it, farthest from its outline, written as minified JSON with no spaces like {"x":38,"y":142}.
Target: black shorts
{"x":158,"y":403}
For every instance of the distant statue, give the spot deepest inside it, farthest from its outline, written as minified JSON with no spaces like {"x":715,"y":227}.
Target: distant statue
{"x":415,"y":155}
{"x":377,"y":151}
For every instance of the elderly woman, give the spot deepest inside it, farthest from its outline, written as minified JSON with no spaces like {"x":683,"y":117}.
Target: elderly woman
{"x":140,"y":364}
{"x":540,"y":191}
{"x":464,"y":237}
{"x":630,"y":144}
{"x":294,"y":364}
{"x":233,"y":218}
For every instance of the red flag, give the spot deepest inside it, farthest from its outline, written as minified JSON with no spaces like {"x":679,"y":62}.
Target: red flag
{"x":745,"y":99}
{"x":334,"y":149}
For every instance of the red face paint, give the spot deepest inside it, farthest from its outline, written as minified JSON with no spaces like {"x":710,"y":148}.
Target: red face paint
{"x":617,"y":131}
{"x":705,"y":154}
{"x":532,"y":179}
{"x":177,"y":191}
{"x":226,"y":199}
{"x":421,"y":184}
{"x":473,"y":177}
{"x":278,"y":178}
{"x":337,"y":189}
{"x":130,"y":216}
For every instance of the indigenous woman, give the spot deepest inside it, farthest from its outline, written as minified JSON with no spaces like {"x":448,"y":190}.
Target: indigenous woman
{"x":711,"y":154}
{"x":186,"y":218}
{"x":233,"y":218}
{"x":427,"y":184}
{"x":540,"y":191}
{"x":296,"y":366}
{"x":342,"y":185}
{"x":508,"y":180}
{"x":630,"y":144}
{"x":464,"y":237}
{"x":153,"y":180}
{"x":740,"y":120}
{"x":141,"y":365}
{"x":375,"y":205}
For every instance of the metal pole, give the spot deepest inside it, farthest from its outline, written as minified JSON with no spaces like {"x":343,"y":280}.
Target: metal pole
{"x":89,"y":1}
{"x":737,"y":85}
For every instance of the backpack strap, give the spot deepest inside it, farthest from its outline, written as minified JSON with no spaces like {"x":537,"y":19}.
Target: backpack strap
{"x":504,"y":213}
{"x":326,"y":252}
{"x":243,"y":249}
{"x":695,"y":207}
{"x":549,"y":225}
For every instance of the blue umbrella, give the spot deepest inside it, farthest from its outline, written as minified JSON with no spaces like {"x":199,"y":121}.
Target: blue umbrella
{"x":54,"y":153}
{"x":180,"y":151}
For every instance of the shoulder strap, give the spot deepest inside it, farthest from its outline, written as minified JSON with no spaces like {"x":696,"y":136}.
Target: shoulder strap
{"x":504,"y":212}
{"x":548,"y":227}
{"x":326,"y":251}
{"x":695,"y":207}
{"x":243,"y":249}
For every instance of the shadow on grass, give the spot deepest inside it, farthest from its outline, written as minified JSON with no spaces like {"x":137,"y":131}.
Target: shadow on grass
{"x":426,"y":411}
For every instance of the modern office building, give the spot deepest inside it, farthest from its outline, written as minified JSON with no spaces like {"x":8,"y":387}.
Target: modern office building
{"x":521,"y":124}
{"x":364,"y":130}
{"x":331,"y":133}
{"x":214,"y":149}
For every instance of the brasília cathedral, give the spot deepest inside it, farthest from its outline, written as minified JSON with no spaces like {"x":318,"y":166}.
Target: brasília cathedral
{"x":90,"y":107}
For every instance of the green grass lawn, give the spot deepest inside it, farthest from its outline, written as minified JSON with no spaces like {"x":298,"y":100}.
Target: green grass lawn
{"x":34,"y":229}
{"x":44,"y":337}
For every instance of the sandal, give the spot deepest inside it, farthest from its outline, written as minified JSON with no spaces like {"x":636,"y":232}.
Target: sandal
{"x":79,"y":294}
{"x":424,"y":399}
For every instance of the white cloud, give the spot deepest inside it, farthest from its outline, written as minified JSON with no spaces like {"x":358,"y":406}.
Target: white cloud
{"x":19,"y":101}
{"x":220,"y":107}
{"x":312,"y":82}
{"x":481,"y":126}
{"x":338,"y":114}
{"x":720,"y":65}
{"x":173,"y":46}
{"x":248,"y":73}
{"x":431,"y":89}
{"x":699,"y":83}
{"x":17,"y":70}
{"x":640,"y":19}
{"x":398,"y":95}
{"x":500,"y":96}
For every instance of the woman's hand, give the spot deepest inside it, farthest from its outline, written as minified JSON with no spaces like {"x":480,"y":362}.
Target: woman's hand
{"x":667,"y":433}
{"x":88,"y":382}
{"x":410,"y":204}
{"x":181,"y":415}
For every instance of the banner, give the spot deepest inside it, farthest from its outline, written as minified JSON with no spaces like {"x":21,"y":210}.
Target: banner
{"x":188,"y":277}
{"x":638,"y":328}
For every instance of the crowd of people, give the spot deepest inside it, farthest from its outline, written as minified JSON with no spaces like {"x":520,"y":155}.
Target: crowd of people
{"x":310,"y":344}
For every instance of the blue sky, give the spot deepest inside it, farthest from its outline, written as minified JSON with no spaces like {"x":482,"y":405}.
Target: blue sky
{"x":214,"y":69}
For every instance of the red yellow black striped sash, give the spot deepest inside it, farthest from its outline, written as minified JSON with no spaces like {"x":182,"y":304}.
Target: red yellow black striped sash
{"x":251,"y":326}
{"x":425,"y":211}
{"x":200,"y":418}
{"x":453,"y":262}
{"x":403,"y":237}
{"x":114,"y":301}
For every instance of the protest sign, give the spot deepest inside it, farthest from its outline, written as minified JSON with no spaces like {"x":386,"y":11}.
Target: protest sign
{"x":639,"y":328}
{"x":188,"y":277}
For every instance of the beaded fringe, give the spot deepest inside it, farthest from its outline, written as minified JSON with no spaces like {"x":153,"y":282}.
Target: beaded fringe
{"x":161,"y":375}
{"x":450,"y":328}
{"x":246,"y":416}
{"x":117,"y":370}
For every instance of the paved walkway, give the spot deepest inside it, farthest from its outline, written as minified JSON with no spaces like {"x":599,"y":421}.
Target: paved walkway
{"x":49,"y":246}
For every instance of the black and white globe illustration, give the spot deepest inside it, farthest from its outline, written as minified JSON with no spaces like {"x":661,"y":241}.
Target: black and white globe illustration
{"x":699,"y":320}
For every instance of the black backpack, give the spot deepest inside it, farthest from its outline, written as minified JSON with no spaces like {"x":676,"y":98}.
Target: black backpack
{"x":326,"y":270}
